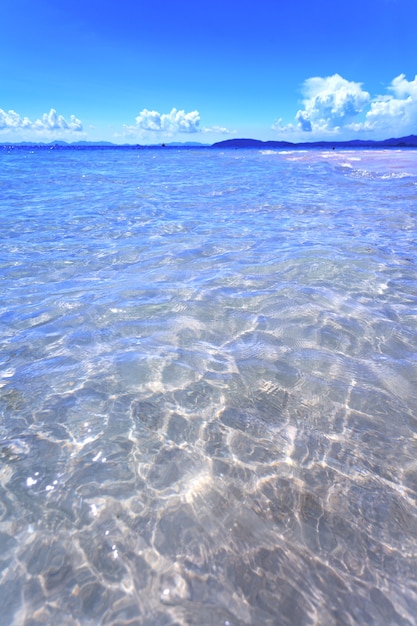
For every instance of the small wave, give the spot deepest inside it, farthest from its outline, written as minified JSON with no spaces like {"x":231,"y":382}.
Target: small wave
{"x":393,"y":175}
{"x":372,"y":175}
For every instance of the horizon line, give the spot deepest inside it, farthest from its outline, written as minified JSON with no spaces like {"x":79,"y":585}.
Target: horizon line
{"x":405,"y":141}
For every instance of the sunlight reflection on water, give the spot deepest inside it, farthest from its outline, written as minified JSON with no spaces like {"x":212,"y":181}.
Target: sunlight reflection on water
{"x":208,"y":387}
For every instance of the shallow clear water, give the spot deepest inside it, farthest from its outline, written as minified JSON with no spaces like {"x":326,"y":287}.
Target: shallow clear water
{"x":208,"y":387}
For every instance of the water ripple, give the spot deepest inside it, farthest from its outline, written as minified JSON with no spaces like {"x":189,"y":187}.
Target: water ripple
{"x":207,"y":387}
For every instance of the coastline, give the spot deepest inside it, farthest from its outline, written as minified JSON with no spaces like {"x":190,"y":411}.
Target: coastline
{"x":409,"y":141}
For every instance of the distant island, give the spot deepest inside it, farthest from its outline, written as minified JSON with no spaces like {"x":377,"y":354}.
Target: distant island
{"x":100,"y":144}
{"x":402,"y":142}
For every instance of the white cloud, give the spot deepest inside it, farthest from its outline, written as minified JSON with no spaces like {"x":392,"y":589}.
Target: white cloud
{"x":11,"y":119}
{"x":173,"y":122}
{"x":280,"y":127}
{"x":53,"y":121}
{"x":50,"y":122}
{"x":334,"y":105}
{"x":399,"y":107}
{"x":177,"y":122}
{"x":219,"y":130}
{"x":330,"y":103}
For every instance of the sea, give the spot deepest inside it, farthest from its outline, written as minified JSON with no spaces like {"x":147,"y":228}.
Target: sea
{"x":208,"y":387}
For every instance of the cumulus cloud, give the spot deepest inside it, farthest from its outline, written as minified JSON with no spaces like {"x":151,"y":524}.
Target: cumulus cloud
{"x":149,"y":123}
{"x":281,"y":127}
{"x":400,"y":106}
{"x":335,"y":105}
{"x":53,"y":121}
{"x":173,"y":122}
{"x":10,"y":120}
{"x":330,"y":103}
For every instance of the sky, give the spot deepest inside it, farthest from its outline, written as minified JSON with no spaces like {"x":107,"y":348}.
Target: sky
{"x":143,"y":72}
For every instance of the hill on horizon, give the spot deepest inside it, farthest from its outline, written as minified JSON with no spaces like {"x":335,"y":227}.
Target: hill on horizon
{"x":409,"y":141}
{"x":402,"y":142}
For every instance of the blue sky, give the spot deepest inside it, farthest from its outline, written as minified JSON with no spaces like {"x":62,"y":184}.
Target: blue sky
{"x":206,"y":70}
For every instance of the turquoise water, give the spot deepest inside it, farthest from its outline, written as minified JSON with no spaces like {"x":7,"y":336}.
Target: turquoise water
{"x":208,"y":387}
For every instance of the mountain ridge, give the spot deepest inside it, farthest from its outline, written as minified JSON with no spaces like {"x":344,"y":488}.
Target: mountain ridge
{"x":410,"y":141}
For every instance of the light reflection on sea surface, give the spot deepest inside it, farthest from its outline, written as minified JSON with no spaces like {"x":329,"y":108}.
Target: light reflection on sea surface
{"x":208,"y":387}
